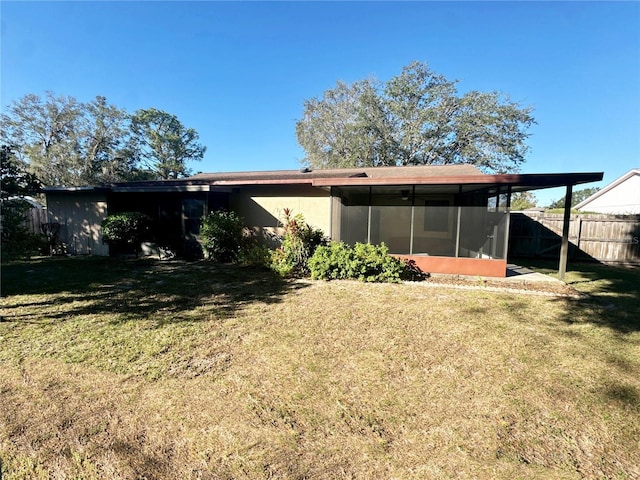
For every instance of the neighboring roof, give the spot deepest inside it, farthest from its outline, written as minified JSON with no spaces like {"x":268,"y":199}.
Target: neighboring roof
{"x":611,"y":186}
{"x":449,"y":176}
{"x":30,"y":200}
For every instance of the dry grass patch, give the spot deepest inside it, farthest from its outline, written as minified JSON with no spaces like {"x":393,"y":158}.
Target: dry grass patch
{"x":198,"y":371}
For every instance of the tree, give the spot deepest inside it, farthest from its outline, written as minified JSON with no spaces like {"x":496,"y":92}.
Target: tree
{"x":70,"y":143}
{"x":46,"y":130}
{"x":416,"y":118}
{"x":66,"y":142}
{"x":163,"y":144}
{"x":346,"y":128}
{"x":523,"y":201}
{"x":105,"y":143}
{"x":576,"y":197}
{"x":15,"y":181}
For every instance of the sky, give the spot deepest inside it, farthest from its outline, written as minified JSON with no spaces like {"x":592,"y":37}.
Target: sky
{"x":239,"y":72}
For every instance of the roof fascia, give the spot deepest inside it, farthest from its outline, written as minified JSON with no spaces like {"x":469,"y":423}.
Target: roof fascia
{"x":534,"y":181}
{"x":281,"y":181}
{"x":75,"y":189}
{"x":160,"y":188}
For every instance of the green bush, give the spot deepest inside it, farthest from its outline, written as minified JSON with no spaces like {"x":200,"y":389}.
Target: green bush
{"x":124,"y":232}
{"x":299,"y":243}
{"x":222,"y":235}
{"x":364,"y":262}
{"x":253,"y":252}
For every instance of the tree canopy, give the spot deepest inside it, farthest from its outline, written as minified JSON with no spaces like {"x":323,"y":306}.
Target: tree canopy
{"x":163,"y":144}
{"x":523,"y":201}
{"x":576,"y":197}
{"x":415,"y":118}
{"x":66,"y":142}
{"x":14,"y":180}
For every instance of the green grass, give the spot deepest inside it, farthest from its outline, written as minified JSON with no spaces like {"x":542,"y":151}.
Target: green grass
{"x":144,"y":369}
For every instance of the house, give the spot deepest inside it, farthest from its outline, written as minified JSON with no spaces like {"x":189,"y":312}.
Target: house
{"x":448,"y":218}
{"x":620,"y":197}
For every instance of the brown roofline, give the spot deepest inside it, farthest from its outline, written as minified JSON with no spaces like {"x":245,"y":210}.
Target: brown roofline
{"x":525,"y":181}
{"x":281,"y":181}
{"x":534,"y":180}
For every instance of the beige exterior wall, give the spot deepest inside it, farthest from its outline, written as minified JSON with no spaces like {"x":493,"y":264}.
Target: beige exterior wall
{"x":622,"y":199}
{"x":80,"y":215}
{"x":262,"y":207}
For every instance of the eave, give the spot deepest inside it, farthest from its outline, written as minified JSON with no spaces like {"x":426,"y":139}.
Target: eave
{"x":523,"y":181}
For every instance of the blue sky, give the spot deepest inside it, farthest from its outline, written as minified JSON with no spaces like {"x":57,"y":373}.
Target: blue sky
{"x":238,"y":72}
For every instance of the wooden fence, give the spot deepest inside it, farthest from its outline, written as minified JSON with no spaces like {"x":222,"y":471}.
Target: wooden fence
{"x":35,"y":218}
{"x":604,"y":238}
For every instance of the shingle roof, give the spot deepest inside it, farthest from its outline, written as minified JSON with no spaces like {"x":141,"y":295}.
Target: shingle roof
{"x":306,"y":174}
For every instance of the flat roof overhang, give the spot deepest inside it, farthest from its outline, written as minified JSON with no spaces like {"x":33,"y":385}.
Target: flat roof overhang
{"x":517,"y":182}
{"x":457,"y":183}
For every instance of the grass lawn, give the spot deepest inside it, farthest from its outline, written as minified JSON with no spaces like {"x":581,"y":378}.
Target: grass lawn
{"x":144,"y":369}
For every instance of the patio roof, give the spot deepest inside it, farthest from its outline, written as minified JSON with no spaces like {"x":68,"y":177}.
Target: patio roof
{"x":518,"y":182}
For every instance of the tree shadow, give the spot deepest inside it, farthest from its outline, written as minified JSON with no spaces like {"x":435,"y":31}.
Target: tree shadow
{"x":626,"y":395}
{"x":610,"y":296}
{"x":134,"y":289}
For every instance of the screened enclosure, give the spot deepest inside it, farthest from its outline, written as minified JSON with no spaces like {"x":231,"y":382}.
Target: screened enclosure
{"x":423,"y":220}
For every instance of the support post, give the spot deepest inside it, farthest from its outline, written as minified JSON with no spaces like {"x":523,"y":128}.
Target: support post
{"x":564,"y":247}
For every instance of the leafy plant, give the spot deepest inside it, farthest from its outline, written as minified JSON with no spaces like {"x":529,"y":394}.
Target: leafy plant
{"x":299,"y":243}
{"x":222,"y":234}
{"x":125,"y":231}
{"x":363,"y":261}
{"x":253,"y":251}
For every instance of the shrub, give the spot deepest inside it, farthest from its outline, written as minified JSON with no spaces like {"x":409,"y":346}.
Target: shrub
{"x":253,"y":252}
{"x":222,"y":236}
{"x":124,"y":232}
{"x":332,"y":262}
{"x":299,"y":243}
{"x":364,"y":262}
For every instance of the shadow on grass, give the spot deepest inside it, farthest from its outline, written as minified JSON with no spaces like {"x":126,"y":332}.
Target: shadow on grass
{"x":611,"y":294}
{"x":135,"y":288}
{"x":624,"y":394}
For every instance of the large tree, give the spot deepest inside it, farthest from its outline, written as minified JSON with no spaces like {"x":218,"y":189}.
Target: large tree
{"x":105,"y":143}
{"x":163,"y":144}
{"x":416,"y":118}
{"x":46,"y":131}
{"x":69,"y":143}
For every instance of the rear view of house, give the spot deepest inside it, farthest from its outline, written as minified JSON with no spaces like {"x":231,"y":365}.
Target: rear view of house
{"x":448,"y":219}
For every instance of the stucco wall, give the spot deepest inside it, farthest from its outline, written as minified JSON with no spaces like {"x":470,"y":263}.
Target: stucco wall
{"x":79,"y":215}
{"x":262,"y":206}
